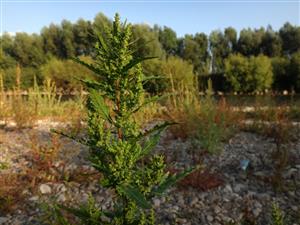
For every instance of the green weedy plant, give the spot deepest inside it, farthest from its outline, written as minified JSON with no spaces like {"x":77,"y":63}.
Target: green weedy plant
{"x":277,"y":215}
{"x":211,"y":128}
{"x":119,"y":149}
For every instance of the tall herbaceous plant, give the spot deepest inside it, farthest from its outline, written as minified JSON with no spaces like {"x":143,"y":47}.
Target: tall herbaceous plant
{"x":120,"y":150}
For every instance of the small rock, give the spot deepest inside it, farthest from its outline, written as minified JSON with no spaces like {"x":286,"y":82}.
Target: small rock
{"x":45,"y":189}
{"x":239,"y":187}
{"x":34,"y":198}
{"x":175,"y":208}
{"x":256,"y":212}
{"x":181,"y":221}
{"x":209,"y":218}
{"x":194,"y":201}
{"x":180,"y":200}
{"x":291,"y":193}
{"x":295,"y":208}
{"x":61,"y":198}
{"x":156,"y":203}
{"x":3,"y":220}
{"x":290,"y":173}
{"x":61,"y":188}
{"x":217,"y":209}
{"x":259,"y":174}
{"x":228,"y":188}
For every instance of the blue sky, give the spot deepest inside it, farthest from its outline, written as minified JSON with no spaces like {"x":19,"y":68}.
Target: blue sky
{"x":184,"y":17}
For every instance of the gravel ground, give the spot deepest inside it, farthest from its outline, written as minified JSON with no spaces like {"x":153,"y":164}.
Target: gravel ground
{"x":239,"y":193}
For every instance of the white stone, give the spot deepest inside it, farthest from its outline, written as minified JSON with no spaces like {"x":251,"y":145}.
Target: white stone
{"x":45,"y":189}
{"x":61,"y":198}
{"x":34,"y":198}
{"x":156,"y":202}
{"x":228,"y":188}
{"x":210,"y":218}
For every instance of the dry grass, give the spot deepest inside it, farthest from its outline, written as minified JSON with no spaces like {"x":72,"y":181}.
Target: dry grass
{"x":40,"y":103}
{"x":41,"y":159}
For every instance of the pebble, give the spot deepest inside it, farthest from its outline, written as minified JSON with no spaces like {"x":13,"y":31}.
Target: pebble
{"x":257,"y":211}
{"x":209,"y":218}
{"x":34,"y":198}
{"x":156,"y":203}
{"x":3,"y":220}
{"x":61,"y":197}
{"x":45,"y":189}
{"x":228,"y":188}
{"x":239,"y":187}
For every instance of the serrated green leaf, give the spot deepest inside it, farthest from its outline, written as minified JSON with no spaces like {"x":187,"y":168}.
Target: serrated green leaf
{"x":59,"y":216}
{"x":150,"y":144}
{"x":91,"y":83}
{"x":135,"y":195}
{"x":139,"y":47}
{"x":82,"y":214}
{"x":147,"y":78}
{"x":97,"y":71}
{"x":73,"y":137}
{"x":99,"y":105}
{"x":157,"y":128}
{"x":102,"y":42}
{"x":134,"y":62}
{"x":172,"y":180}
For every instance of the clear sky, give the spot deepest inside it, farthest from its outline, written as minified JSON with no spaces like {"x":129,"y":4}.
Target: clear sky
{"x":185,"y":16}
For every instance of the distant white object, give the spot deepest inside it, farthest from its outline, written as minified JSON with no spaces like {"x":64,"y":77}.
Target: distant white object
{"x":244,"y":164}
{"x":285,"y":92}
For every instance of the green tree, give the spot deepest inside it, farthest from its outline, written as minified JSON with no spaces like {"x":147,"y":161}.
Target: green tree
{"x":6,"y":61}
{"x":28,"y":50}
{"x":7,"y":43}
{"x":51,"y":37}
{"x":220,"y":49}
{"x":194,"y":50}
{"x":237,"y":71}
{"x":230,"y":35}
{"x":248,"y":74}
{"x":63,"y":72}
{"x":154,"y":68}
{"x":282,"y":79}
{"x":290,"y":36}
{"x":83,"y":37}
{"x":26,"y":78}
{"x":146,"y":42}
{"x":67,"y":40}
{"x":262,"y":74}
{"x":101,"y":23}
{"x":168,"y":39}
{"x":179,"y":74}
{"x":249,"y":42}
{"x":271,"y":44}
{"x":294,"y":70}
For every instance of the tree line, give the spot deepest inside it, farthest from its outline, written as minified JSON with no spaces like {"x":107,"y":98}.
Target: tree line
{"x":253,"y":60}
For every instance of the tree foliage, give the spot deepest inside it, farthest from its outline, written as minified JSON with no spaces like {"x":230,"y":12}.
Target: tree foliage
{"x":64,"y":72}
{"x":206,"y":52}
{"x":248,"y":74}
{"x":178,"y":74}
